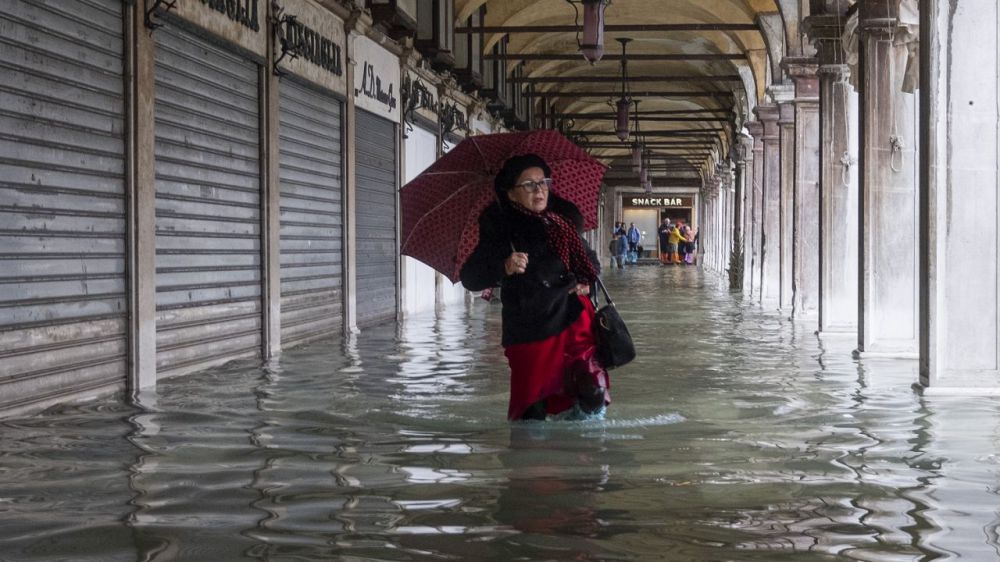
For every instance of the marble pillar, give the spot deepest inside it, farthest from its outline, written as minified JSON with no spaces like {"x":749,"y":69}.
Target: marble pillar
{"x":770,"y":234}
{"x":889,"y":265}
{"x":754,"y":200}
{"x":786,"y":197}
{"x":805,"y":201}
{"x":737,"y":243}
{"x":960,"y":197}
{"x":727,"y":219}
{"x":838,"y":204}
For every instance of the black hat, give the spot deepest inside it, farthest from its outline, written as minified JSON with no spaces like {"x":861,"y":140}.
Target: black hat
{"x":514,"y":166}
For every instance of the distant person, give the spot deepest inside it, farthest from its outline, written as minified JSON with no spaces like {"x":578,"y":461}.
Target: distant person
{"x":691,"y":257}
{"x":619,"y":228}
{"x":682,"y":245}
{"x":664,"y":235}
{"x":618,"y":247}
{"x":673,"y":242}
{"x":634,"y":237}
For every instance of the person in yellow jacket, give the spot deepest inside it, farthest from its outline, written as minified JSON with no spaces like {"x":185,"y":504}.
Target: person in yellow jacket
{"x":673,"y":239}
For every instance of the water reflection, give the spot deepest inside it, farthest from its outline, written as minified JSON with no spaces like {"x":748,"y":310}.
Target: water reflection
{"x":737,"y":434}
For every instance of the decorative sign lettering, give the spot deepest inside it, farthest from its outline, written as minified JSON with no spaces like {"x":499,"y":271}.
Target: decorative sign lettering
{"x":453,"y":119}
{"x":377,"y":79}
{"x":309,"y":42}
{"x":372,"y":86}
{"x":236,"y":22}
{"x":243,"y":12}
{"x":298,"y":40}
{"x":657,"y":201}
{"x":417,"y":99}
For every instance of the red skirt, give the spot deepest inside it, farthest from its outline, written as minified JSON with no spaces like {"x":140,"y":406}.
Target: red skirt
{"x":538,"y":369}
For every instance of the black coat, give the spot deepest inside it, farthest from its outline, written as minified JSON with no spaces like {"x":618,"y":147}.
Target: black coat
{"x":537,"y":304}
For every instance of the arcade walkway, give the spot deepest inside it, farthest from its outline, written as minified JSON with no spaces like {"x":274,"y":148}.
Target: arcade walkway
{"x":736,"y":435}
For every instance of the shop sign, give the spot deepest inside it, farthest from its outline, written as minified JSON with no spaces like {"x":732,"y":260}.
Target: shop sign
{"x":454,"y":120}
{"x":237,"y":21}
{"x":376,"y":78}
{"x":657,"y":201}
{"x":309,"y":42}
{"x":419,"y":97}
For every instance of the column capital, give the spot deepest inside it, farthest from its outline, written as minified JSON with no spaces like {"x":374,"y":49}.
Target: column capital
{"x":781,"y":92}
{"x":878,"y":17}
{"x":803,"y":71}
{"x":826,"y":32}
{"x":824,"y":27}
{"x":768,"y":116}
{"x":835,"y":72}
{"x":756,"y":130}
{"x":786,"y":113}
{"x":766,"y":113}
{"x":741,"y":149}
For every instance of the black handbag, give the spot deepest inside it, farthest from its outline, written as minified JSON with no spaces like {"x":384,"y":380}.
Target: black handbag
{"x":614,"y":343}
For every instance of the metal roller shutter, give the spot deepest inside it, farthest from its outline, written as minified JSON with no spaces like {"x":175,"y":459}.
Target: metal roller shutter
{"x":311,"y":214}
{"x":62,"y":200}
{"x":377,"y":254}
{"x":208,"y":229}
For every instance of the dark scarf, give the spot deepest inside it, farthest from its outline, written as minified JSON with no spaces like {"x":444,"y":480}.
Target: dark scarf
{"x":567,"y":243}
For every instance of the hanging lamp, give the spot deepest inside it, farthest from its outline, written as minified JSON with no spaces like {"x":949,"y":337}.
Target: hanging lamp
{"x":623,"y":103}
{"x":644,"y":174}
{"x":592,"y":43}
{"x":637,"y":145}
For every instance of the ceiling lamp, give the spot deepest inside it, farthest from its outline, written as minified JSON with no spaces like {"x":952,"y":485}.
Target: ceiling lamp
{"x":623,"y":103}
{"x":644,"y":174}
{"x":644,"y":181}
{"x":592,"y":44}
{"x":637,"y":145}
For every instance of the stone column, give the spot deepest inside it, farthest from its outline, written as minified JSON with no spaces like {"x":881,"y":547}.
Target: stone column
{"x":889,"y":255}
{"x":140,"y":173}
{"x":727,"y":220}
{"x":838,"y":224}
{"x":350,"y":198}
{"x":737,"y":243}
{"x":754,"y":199}
{"x":805,"y":205}
{"x":786,"y":199}
{"x":719,"y":233}
{"x":770,"y":234}
{"x":270,"y":211}
{"x":960,"y":197}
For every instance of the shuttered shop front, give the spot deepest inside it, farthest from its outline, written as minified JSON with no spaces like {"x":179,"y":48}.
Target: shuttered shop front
{"x":311,"y":213}
{"x":62,"y":200}
{"x":208,"y":206}
{"x":377,"y":255}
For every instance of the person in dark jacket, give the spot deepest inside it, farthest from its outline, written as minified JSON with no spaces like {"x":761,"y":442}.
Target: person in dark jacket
{"x":530,"y":246}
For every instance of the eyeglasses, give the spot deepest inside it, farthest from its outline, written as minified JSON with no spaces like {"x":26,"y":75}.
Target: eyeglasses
{"x":536,"y":186}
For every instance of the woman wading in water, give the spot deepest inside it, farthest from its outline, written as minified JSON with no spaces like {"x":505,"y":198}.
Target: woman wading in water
{"x":530,"y":246}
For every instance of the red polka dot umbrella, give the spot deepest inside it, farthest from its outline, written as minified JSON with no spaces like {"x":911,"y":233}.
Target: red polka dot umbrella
{"x":440,"y":207}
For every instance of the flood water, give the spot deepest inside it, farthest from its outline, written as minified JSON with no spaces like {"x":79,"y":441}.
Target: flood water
{"x":735,"y":435}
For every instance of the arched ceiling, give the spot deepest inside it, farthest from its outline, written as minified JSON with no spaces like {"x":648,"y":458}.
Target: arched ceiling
{"x":698,"y":96}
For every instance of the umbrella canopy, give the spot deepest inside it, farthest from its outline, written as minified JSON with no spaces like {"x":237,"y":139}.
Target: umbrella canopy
{"x":441,"y":207}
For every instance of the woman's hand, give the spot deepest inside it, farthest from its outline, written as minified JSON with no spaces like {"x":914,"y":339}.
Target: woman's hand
{"x":517,"y":262}
{"x":580,"y":289}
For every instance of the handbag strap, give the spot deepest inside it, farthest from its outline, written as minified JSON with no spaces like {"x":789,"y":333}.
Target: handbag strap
{"x":607,"y":297}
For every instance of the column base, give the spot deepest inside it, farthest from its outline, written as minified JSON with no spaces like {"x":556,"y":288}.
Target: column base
{"x":957,"y":390}
{"x":834,"y":333}
{"x":904,"y":355}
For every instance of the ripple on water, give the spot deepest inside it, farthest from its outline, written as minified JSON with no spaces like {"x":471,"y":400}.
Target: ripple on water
{"x":735,"y":435}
